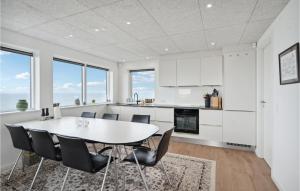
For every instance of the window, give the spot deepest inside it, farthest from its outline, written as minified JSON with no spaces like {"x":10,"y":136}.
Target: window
{"x":67,"y":82}
{"x":96,"y":84}
{"x":15,"y":78}
{"x":143,"y":83}
{"x":78,"y":84}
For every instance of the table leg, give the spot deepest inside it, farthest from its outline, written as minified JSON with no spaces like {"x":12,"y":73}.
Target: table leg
{"x":142,"y":175}
{"x":116,"y":167}
{"x":107,"y":166}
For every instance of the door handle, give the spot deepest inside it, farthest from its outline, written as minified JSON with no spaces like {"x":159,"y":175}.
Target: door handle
{"x":263,"y":102}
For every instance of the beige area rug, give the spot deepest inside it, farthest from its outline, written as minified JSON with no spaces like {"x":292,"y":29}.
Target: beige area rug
{"x":186,"y":174}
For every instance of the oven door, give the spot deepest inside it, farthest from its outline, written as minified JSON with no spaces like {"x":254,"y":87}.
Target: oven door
{"x":186,"y":123}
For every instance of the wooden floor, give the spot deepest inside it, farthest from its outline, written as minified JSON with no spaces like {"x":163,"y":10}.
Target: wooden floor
{"x":236,"y":170}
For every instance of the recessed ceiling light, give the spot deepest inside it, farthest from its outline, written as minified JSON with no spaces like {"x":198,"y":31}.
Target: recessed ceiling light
{"x":70,"y":35}
{"x":166,"y":49}
{"x":96,"y":30}
{"x":103,"y":29}
{"x":213,"y":43}
{"x":209,"y":5}
{"x":128,"y":22}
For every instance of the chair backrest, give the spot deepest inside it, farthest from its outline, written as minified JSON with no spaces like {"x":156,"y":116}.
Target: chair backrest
{"x":20,"y":137}
{"x":88,"y":114}
{"x":75,"y":153}
{"x":43,"y":145}
{"x":141,"y":118}
{"x":110,"y":116}
{"x":163,"y":145}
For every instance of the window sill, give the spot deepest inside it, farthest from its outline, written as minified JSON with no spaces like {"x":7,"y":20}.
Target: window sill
{"x":19,"y":112}
{"x":88,"y":105}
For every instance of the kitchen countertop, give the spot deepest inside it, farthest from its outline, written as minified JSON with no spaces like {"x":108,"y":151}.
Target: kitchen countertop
{"x":164,"y":106}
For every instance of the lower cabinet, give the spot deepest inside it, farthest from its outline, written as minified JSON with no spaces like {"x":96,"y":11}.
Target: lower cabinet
{"x":239,"y":127}
{"x":210,"y":132}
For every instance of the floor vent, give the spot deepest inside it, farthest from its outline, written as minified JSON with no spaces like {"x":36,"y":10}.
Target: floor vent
{"x":239,"y":145}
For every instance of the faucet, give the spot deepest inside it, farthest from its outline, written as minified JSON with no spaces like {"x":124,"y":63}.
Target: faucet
{"x":137,"y":97}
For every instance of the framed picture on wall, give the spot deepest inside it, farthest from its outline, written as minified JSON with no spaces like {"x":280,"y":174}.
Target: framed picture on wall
{"x":289,"y":67}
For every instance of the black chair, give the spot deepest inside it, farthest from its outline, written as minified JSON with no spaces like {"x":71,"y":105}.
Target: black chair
{"x":20,"y":140}
{"x":149,"y":158}
{"x":43,"y":145}
{"x":88,"y":114}
{"x":76,"y":155}
{"x":110,"y":116}
{"x":141,"y":118}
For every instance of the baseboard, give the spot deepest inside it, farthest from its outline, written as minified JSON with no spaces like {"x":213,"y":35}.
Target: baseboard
{"x":211,"y":143}
{"x":279,"y":187}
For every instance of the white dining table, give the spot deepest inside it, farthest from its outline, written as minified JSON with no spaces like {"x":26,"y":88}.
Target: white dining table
{"x":100,"y":130}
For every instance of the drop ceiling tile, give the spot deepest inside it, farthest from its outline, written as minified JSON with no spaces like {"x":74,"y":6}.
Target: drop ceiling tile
{"x":142,"y":25}
{"x":190,"y":41}
{"x":225,"y":36}
{"x":56,"y":8}
{"x":226,"y":12}
{"x":255,"y":30}
{"x":138,"y":49}
{"x":17,"y":15}
{"x":175,"y":16}
{"x":97,"y":3}
{"x":267,"y":9}
{"x":160,"y":44}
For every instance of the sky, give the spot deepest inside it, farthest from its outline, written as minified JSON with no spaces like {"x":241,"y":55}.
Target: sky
{"x":143,"y":83}
{"x":15,"y":73}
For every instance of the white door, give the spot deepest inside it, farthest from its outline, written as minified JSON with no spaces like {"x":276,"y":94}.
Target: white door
{"x":266,"y":102}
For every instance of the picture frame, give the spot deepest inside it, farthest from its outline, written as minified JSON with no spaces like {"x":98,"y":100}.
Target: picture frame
{"x":289,"y":66}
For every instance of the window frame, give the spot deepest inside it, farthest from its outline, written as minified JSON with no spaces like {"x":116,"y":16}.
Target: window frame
{"x":31,"y":100}
{"x":131,"y":82}
{"x":84,"y":79}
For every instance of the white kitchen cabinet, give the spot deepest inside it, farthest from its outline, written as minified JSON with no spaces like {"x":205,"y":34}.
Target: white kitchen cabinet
{"x":167,"y":73}
{"x":114,"y":109}
{"x":147,"y":111}
{"x":164,"y":114}
{"x":127,"y":112}
{"x":240,"y":81}
{"x":239,"y":127}
{"x":212,"y":71}
{"x":211,"y":132}
{"x":210,"y":117}
{"x":188,"y":72}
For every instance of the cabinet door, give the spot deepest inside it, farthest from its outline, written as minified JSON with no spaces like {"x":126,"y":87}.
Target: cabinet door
{"x":240,"y":81}
{"x":188,"y":72}
{"x":164,"y":114}
{"x":210,"y":117}
{"x":147,"y":111}
{"x":239,"y":127}
{"x":167,"y":73}
{"x":210,"y":133}
{"x":126,"y":113}
{"x":212,"y":71}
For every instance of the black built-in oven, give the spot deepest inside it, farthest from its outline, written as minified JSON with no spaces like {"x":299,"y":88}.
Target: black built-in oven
{"x":186,"y":120}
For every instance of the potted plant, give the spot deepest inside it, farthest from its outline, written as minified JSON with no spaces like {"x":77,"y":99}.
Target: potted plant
{"x":22,"y":105}
{"x":77,"y":101}
{"x":93,"y":101}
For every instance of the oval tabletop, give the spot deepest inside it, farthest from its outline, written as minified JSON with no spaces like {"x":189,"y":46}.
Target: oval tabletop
{"x":100,"y":130}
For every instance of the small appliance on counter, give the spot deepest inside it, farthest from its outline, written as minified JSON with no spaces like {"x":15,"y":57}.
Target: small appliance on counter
{"x":213,"y":100}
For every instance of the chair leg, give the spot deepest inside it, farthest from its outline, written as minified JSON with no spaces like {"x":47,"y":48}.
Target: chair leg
{"x":153,"y":143}
{"x":95,"y":149}
{"x":107,"y":166}
{"x":125,"y":150}
{"x":116,"y":168}
{"x":37,"y":171}
{"x":15,"y":164}
{"x":142,"y":175}
{"x":65,"y":179}
{"x":165,"y":171}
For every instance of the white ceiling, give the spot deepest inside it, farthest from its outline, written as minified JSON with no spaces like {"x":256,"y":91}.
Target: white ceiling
{"x":156,"y":25}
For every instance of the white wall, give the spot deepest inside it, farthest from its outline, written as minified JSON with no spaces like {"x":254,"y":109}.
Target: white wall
{"x":166,"y":95}
{"x":283,"y":33}
{"x":44,"y":52}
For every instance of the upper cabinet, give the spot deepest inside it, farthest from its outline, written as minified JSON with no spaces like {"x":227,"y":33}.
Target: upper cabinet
{"x":188,"y":72}
{"x":240,"y":81}
{"x":167,"y":73}
{"x":212,"y":71}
